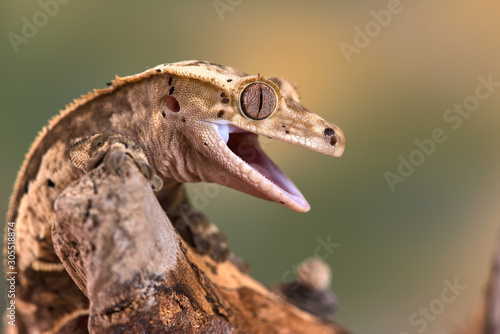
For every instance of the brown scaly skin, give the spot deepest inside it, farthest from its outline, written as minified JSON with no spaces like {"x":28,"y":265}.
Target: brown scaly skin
{"x":174,"y":114}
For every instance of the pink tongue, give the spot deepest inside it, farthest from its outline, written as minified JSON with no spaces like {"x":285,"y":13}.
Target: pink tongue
{"x":246,"y":146}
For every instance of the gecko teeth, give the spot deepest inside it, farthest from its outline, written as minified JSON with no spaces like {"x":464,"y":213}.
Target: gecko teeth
{"x":224,"y":129}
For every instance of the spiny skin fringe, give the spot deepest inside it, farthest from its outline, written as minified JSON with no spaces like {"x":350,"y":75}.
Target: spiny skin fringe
{"x":174,"y":69}
{"x":70,"y":107}
{"x":117,"y":83}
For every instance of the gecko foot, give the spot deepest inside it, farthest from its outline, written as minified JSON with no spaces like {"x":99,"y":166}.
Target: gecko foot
{"x":194,"y":227}
{"x":88,"y":153}
{"x":206,"y":238}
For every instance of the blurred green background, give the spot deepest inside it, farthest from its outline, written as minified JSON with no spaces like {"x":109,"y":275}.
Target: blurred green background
{"x":396,"y":247}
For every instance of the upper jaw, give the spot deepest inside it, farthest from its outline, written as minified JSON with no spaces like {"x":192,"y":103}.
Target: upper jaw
{"x":235,"y":150}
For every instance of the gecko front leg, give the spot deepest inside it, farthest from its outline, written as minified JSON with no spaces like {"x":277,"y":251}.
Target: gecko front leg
{"x":89,"y":152}
{"x":193,"y":226}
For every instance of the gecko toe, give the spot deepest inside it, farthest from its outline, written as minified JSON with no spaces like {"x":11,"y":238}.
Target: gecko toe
{"x":156,"y":183}
{"x":145,"y":168}
{"x":114,"y":159}
{"x":205,"y":237}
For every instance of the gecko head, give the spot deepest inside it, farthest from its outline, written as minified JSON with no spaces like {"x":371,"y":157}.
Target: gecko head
{"x":222,"y":123}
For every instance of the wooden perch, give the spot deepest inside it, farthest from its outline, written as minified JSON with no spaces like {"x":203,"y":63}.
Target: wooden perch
{"x":119,"y":246}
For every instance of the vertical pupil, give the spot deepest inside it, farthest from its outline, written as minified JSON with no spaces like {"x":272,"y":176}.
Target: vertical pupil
{"x":258,"y":101}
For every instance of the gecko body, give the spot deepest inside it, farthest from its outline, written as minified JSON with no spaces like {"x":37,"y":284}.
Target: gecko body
{"x":192,"y":121}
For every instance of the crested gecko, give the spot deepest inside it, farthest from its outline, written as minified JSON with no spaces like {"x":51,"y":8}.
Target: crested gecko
{"x":189,"y":121}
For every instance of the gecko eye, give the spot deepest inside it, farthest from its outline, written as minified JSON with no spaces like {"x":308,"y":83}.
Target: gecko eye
{"x":258,"y":101}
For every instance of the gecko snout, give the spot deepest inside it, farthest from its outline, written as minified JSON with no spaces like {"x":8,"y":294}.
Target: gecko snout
{"x":335,"y":137}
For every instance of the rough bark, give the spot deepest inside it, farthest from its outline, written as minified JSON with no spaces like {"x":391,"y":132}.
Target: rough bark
{"x":119,"y":246}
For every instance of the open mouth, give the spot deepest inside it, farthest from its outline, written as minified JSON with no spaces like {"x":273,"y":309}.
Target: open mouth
{"x":255,"y":167}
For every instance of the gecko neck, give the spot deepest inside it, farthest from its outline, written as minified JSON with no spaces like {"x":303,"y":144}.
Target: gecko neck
{"x":110,"y":111}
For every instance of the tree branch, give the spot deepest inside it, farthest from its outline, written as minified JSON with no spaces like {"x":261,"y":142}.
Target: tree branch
{"x":120,"y":248}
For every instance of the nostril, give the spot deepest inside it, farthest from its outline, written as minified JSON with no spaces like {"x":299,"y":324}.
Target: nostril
{"x":171,"y":103}
{"x":329,"y":132}
{"x":333,"y":140}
